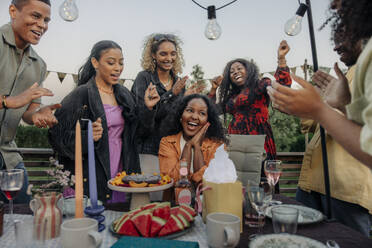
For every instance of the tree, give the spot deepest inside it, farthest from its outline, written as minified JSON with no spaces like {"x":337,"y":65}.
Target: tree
{"x":197,"y":76}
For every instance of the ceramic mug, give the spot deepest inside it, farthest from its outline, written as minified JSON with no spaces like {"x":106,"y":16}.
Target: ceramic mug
{"x":223,"y":230}
{"x":82,"y":232}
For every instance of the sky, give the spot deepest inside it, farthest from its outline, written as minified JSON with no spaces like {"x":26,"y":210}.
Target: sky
{"x":250,"y":29}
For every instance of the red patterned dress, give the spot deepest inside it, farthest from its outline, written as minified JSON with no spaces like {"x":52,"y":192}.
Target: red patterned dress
{"x":249,"y":110}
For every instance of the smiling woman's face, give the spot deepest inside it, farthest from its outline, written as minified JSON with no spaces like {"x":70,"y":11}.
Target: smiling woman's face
{"x":194,"y":117}
{"x":238,"y":73}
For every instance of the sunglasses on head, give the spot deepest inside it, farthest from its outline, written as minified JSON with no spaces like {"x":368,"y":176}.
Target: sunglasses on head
{"x":160,"y":37}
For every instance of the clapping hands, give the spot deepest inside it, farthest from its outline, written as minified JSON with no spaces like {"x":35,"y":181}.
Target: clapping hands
{"x":151,"y":96}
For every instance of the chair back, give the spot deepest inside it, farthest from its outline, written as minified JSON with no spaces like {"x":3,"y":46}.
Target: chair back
{"x":247,"y":153}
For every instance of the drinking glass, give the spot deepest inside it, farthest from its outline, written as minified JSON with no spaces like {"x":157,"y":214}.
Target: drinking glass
{"x":273,"y":170}
{"x":284,"y":219}
{"x":11,"y":182}
{"x":259,"y":195}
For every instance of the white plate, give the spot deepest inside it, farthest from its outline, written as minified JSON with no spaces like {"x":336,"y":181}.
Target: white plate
{"x":306,"y":215}
{"x":284,"y":240}
{"x":139,"y":190}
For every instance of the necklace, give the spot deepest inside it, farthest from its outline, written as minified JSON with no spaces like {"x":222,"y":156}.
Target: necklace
{"x":167,"y":83}
{"x":110,"y":92}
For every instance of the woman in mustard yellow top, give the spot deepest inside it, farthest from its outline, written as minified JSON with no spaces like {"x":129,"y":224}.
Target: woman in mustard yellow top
{"x":193,"y":132}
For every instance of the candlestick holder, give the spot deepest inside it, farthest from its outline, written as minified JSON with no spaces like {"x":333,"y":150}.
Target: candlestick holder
{"x":96,"y":213}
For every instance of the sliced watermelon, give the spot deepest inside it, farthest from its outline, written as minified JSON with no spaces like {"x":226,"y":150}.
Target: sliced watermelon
{"x":142,"y":221}
{"x":156,"y":224}
{"x":120,"y":221}
{"x":173,"y":225}
{"x":188,"y":209}
{"x":162,"y":211}
{"x":134,"y":211}
{"x":186,"y":214}
{"x":128,"y":228}
{"x":174,"y":210}
{"x":185,"y":223}
{"x":149,"y":206}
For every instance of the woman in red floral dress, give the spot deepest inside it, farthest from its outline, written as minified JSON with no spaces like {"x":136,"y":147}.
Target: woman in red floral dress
{"x":243,"y":95}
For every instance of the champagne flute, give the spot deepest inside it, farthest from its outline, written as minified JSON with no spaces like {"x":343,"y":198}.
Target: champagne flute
{"x":259,"y":195}
{"x":273,"y":171}
{"x":11,"y":182}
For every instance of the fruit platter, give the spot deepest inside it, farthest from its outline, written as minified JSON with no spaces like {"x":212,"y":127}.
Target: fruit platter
{"x":155,"y":220}
{"x":133,"y":180}
{"x":140,"y":185}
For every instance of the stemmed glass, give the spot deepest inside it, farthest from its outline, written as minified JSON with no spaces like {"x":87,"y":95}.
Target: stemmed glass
{"x":273,"y":171}
{"x":259,"y":195}
{"x":11,"y":182}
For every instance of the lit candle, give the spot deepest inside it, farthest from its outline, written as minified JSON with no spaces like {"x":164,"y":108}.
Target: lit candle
{"x":92,"y":167}
{"x":78,"y":174}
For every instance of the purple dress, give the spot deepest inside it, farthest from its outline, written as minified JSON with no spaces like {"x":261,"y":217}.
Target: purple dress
{"x":115,"y":125}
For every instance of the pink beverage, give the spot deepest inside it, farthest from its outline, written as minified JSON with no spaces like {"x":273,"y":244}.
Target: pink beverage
{"x":273,"y":177}
{"x":11,"y":193}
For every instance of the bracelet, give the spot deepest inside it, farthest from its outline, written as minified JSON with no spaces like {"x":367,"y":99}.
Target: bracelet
{"x":4,"y":101}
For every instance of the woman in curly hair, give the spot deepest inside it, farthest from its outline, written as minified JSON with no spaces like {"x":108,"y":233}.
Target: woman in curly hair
{"x":162,"y":61}
{"x":243,"y":95}
{"x":193,"y":133}
{"x":355,"y":18}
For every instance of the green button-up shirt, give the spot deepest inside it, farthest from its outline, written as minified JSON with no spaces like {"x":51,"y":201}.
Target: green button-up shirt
{"x":17,"y":73}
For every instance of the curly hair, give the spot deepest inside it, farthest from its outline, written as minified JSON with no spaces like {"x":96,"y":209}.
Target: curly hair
{"x":355,"y":17}
{"x":228,"y":88}
{"x":151,"y":46}
{"x":172,"y":125}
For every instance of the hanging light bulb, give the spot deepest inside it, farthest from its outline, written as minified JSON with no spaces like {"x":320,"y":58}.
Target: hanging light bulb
{"x":69,"y":11}
{"x":213,"y":29}
{"x":293,"y":26}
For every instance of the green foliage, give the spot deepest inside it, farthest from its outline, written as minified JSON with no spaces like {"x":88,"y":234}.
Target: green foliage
{"x":32,"y":137}
{"x":287,"y":132}
{"x":197,"y":76}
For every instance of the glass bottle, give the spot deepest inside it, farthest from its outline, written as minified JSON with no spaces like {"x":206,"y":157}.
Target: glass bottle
{"x":183,"y":187}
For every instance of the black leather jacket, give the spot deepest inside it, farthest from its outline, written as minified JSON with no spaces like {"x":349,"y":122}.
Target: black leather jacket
{"x":85,"y":102}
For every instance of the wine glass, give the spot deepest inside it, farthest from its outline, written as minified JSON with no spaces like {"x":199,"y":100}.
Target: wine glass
{"x":259,"y":195}
{"x":11,"y":182}
{"x":273,"y":171}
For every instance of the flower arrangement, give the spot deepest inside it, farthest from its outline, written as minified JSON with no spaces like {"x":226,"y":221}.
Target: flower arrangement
{"x":59,"y":180}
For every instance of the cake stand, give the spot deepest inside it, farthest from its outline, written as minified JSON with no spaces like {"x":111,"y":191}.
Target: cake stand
{"x":140,"y":196}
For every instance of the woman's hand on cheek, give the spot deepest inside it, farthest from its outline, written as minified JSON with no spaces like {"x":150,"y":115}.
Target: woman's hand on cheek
{"x":197,"y":140}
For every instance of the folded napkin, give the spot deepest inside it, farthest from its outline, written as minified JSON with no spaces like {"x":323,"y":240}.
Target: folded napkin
{"x":135,"y":242}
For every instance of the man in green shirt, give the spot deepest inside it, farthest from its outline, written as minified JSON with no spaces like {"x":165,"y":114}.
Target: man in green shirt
{"x":21,"y":74}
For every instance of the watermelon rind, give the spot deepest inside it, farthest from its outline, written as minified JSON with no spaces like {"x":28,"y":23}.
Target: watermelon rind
{"x":189,"y":209}
{"x":128,"y":228}
{"x":156,"y":225}
{"x":185,"y":223}
{"x":173,"y":225}
{"x":186,"y":214}
{"x":142,"y":221}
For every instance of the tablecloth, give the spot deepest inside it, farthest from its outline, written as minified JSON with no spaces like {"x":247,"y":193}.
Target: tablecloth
{"x":197,"y":234}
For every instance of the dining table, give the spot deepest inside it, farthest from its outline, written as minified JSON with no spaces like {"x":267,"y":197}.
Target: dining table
{"x":321,"y":231}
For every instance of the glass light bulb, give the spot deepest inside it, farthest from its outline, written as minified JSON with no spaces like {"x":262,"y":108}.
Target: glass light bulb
{"x":293,"y":26}
{"x":212,"y":30}
{"x":69,"y":11}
